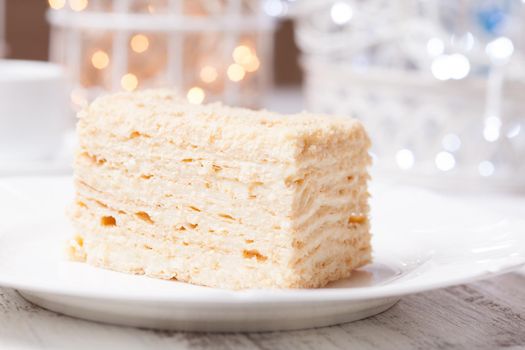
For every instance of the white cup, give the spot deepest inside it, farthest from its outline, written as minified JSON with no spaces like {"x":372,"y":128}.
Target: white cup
{"x":34,"y":110}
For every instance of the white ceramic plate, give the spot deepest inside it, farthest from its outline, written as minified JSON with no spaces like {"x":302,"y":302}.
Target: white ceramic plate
{"x":27,"y":168}
{"x":422,"y":241}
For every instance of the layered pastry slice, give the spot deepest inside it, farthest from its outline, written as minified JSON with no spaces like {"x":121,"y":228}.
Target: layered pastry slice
{"x":219,"y":196}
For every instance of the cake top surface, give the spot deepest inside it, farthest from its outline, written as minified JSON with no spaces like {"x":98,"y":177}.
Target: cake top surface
{"x":167,"y":102}
{"x":163,"y":116}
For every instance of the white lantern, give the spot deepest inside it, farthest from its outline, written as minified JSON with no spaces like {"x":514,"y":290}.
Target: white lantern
{"x":206,"y":49}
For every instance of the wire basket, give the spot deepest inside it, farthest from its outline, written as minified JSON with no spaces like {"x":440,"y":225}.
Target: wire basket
{"x":440,"y":85}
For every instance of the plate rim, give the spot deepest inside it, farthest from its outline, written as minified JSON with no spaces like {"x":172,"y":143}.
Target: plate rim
{"x":264,"y":296}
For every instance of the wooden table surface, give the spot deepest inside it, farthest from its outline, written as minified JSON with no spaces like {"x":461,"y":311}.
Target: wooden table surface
{"x":488,"y":314}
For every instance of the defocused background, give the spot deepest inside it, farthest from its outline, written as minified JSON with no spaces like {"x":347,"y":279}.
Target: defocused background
{"x":440,"y":85}
{"x":27,"y":34}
